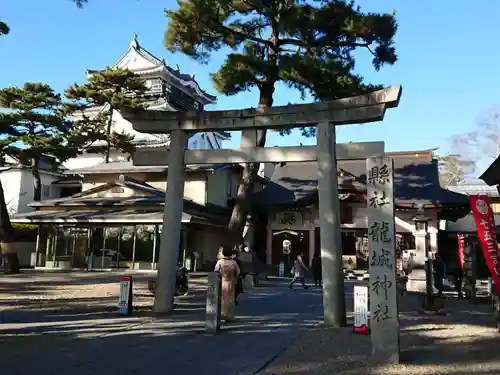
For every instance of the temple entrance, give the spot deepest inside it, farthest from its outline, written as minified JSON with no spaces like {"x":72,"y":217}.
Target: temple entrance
{"x":324,"y":115}
{"x":349,"y":245}
{"x":299,"y":244}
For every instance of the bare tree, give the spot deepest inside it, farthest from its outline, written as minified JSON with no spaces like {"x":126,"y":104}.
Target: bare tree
{"x":454,"y":169}
{"x":483,"y":143}
{"x":467,"y":150}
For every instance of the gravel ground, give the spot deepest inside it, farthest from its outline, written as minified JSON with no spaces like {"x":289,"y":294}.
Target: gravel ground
{"x":462,"y":342}
{"x":72,"y":291}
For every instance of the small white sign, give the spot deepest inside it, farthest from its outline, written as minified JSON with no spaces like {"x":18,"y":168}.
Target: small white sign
{"x":361,"y":309}
{"x":281,"y":269}
{"x":188,"y":264}
{"x":123,"y":299}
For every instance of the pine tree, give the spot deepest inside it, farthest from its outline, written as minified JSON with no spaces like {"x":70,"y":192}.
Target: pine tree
{"x":32,"y":127}
{"x":7,"y":233}
{"x":110,"y":89}
{"x":35,"y":126}
{"x":308,"y":46}
{"x":4,"y":29}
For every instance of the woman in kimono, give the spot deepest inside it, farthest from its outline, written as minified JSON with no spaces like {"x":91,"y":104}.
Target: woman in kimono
{"x":239,"y":279}
{"x":229,"y":272}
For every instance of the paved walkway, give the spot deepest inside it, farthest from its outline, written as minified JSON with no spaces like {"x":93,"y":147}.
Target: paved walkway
{"x":270,"y":319}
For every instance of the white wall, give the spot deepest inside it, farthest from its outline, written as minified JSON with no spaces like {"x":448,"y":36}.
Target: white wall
{"x":11,"y":183}
{"x":197,"y":142}
{"x":18,"y":185}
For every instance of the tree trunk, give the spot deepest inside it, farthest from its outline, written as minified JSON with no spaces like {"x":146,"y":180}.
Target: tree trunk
{"x":37,"y":181}
{"x":248,"y":177}
{"x":108,"y":133}
{"x":11,"y":260}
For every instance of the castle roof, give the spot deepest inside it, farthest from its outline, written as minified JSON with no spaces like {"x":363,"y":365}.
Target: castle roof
{"x":142,"y":62}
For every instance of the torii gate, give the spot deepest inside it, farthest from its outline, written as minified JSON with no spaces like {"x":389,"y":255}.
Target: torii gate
{"x":353,"y":110}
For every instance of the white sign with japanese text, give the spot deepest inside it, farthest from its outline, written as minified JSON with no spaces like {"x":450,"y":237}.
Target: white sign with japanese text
{"x":361,"y":309}
{"x":125,"y":296}
{"x":384,"y":321}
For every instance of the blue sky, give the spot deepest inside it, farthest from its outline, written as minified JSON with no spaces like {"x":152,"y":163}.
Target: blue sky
{"x":448,"y":65}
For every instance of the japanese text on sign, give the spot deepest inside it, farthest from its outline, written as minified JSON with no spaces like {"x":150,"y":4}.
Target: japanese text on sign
{"x":380,"y":232}
{"x":381,"y":312}
{"x":379,"y":174}
{"x":486,"y":230}
{"x":378,"y":199}
{"x":381,"y":258}
{"x":381,"y":242}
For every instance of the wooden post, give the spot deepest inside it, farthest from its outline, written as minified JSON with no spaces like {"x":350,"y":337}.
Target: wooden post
{"x":48,"y":244}
{"x":187,"y":252}
{"x":213,"y":307}
{"x":384,"y":320}
{"x":89,"y":252}
{"x":153,"y":262}
{"x":54,"y":248}
{"x":118,"y":247}
{"x":73,"y":246}
{"x":37,"y":247}
{"x":134,"y":244}
{"x":103,"y":247}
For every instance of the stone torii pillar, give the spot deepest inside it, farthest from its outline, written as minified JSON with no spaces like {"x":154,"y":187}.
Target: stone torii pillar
{"x":172,"y":222}
{"x":354,"y":110}
{"x":329,"y":218}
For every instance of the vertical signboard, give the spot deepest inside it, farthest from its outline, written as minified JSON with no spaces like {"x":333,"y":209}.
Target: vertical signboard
{"x":361,"y":309}
{"x":213,"y":309}
{"x":281,"y":269}
{"x":486,"y":231}
{"x":384,"y":320}
{"x":125,"y":298}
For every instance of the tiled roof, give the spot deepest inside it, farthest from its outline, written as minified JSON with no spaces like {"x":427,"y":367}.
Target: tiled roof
{"x":492,"y":175}
{"x":416,"y":180}
{"x":128,"y":167}
{"x":134,"y":209}
{"x":113,"y":216}
{"x":467,"y":224}
{"x":475,"y":189}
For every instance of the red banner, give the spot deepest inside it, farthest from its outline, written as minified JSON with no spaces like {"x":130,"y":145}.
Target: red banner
{"x":461,"y":244}
{"x":486,"y":231}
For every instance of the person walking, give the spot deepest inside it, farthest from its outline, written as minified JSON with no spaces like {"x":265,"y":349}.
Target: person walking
{"x":316,"y":269}
{"x":299,"y":272}
{"x":439,"y":273}
{"x":458,"y":277}
{"x":229,"y":272}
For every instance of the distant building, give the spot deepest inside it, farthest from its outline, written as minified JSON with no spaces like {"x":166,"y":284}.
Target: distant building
{"x":290,"y":201}
{"x":170,"y":90}
{"x":110,"y":215}
{"x":18,"y":184}
{"x":467,"y":225}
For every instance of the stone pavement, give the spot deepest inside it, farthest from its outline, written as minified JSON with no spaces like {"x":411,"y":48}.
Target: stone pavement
{"x":54,"y":342}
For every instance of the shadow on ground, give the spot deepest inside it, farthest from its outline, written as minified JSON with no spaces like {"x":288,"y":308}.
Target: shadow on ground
{"x":463,"y":342}
{"x":269,"y":319}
